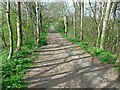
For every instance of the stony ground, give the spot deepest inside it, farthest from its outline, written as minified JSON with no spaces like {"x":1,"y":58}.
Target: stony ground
{"x":61,"y":64}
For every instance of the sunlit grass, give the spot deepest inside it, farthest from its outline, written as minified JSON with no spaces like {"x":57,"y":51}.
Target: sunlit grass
{"x":103,"y":55}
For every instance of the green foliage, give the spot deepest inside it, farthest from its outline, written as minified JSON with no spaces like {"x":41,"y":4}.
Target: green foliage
{"x":29,"y":43}
{"x":14,"y":70}
{"x":59,"y":26}
{"x":46,"y":26}
{"x":43,"y":40}
{"x":117,"y":68}
{"x":103,"y":55}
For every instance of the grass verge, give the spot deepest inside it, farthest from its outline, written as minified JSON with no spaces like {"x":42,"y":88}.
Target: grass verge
{"x":14,"y":69}
{"x":102,"y":55}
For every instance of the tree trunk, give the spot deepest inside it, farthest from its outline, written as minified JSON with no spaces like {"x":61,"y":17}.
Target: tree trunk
{"x":118,"y":53}
{"x":118,"y":43}
{"x":95,"y":10}
{"x":82,"y":16}
{"x":74,"y":19}
{"x":40,"y":22}
{"x":64,"y":18}
{"x":35,"y":31}
{"x":101,"y":17}
{"x":65,"y":24}
{"x":10,"y":29}
{"x":37,"y":23}
{"x":108,"y":9}
{"x":3,"y":36}
{"x":27,"y":17}
{"x":19,"y":27}
{"x":118,"y":35}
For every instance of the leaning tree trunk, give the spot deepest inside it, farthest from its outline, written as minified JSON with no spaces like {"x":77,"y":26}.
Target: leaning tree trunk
{"x":19,"y":27}
{"x":37,"y":23}
{"x":108,"y":9}
{"x":10,"y":29}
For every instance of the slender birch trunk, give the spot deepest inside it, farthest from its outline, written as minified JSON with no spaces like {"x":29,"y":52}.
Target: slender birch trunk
{"x":65,"y":24}
{"x":102,"y":43}
{"x":65,"y":18}
{"x":82,"y":16}
{"x":37,"y":22}
{"x":10,"y":29}
{"x":95,"y":10}
{"x":74,"y":19}
{"x":19,"y":27}
{"x":101,"y":17}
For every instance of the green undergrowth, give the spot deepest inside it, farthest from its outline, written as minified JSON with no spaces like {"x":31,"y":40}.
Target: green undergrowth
{"x":13,"y":70}
{"x":102,"y":55}
{"x":43,"y":41}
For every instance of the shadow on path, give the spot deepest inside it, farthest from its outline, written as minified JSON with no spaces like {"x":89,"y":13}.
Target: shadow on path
{"x":61,"y":64}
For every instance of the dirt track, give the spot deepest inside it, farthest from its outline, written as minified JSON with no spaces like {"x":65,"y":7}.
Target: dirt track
{"x":61,"y":64}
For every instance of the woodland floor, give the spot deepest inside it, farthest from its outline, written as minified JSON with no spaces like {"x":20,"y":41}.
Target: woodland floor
{"x":61,"y":64}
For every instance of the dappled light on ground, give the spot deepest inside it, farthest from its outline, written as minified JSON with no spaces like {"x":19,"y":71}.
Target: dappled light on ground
{"x":61,"y":64}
